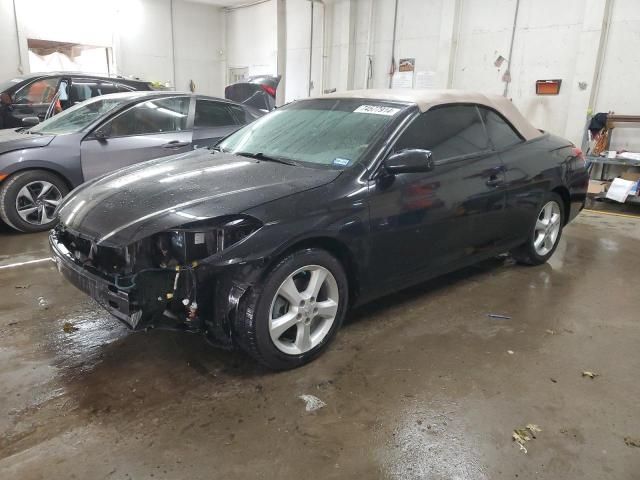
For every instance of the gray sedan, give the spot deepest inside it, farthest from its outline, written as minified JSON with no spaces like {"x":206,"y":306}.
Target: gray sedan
{"x":40,"y":165}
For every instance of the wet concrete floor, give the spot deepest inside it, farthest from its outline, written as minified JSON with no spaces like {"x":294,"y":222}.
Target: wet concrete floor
{"x":422,"y":384}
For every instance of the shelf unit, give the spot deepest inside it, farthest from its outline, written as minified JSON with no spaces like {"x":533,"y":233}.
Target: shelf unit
{"x":613,"y":122}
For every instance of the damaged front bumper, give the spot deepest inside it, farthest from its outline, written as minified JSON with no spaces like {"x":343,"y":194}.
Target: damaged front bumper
{"x":105,"y":292}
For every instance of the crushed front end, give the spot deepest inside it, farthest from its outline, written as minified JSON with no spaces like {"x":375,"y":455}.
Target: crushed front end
{"x":166,"y":280}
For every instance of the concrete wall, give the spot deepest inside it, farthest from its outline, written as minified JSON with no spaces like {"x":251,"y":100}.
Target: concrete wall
{"x":457,"y":41}
{"x":251,"y":39}
{"x":139,"y":31}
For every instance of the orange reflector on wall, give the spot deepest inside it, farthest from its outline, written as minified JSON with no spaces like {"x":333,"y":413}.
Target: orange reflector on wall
{"x":548,"y":87}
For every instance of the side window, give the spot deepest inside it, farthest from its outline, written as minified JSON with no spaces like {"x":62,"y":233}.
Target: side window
{"x":105,"y":88}
{"x":502,"y":135}
{"x":84,"y":88}
{"x":242,"y":116}
{"x":40,"y":91}
{"x":153,"y":116}
{"x":212,"y":114}
{"x":125,"y":88}
{"x":449,"y":131}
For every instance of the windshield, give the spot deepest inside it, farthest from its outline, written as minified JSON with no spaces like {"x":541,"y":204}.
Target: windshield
{"x":78,"y":117}
{"x":331,"y":132}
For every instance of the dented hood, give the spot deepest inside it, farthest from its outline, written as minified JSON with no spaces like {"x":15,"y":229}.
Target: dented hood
{"x":11,"y":139}
{"x":133,"y":203}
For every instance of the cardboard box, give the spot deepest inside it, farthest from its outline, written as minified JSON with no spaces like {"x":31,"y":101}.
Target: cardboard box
{"x":629,"y":175}
{"x":596,"y":186}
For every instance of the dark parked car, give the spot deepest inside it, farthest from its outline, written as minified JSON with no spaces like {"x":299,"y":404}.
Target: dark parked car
{"x":39,"y":165}
{"x":26,"y":97}
{"x":257,"y":92}
{"x":321,"y":205}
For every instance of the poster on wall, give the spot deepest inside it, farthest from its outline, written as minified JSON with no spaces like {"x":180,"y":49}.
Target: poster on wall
{"x":425,"y":79}
{"x":403,"y":78}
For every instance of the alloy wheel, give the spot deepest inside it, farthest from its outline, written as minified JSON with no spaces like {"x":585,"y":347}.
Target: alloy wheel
{"x":303,"y":310}
{"x":36,"y":202}
{"x":547,"y":228}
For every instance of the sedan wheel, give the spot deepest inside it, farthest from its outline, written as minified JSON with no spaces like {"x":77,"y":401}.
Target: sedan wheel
{"x":29,"y":199}
{"x":303,"y":310}
{"x":36,"y":202}
{"x":545,"y":233}
{"x":291,"y":315}
{"x":547,"y":228}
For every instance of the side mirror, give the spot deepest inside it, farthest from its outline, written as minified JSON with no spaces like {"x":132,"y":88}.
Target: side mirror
{"x":30,"y":121}
{"x":101,"y":133}
{"x":411,"y":160}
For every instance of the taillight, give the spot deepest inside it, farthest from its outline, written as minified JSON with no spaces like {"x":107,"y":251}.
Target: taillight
{"x":576,"y":152}
{"x":269,"y":89}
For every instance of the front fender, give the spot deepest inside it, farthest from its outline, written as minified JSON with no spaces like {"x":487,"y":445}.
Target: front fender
{"x":21,"y":160}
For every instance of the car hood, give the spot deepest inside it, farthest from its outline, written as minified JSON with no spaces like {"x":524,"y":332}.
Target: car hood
{"x":11,"y":139}
{"x":133,"y":203}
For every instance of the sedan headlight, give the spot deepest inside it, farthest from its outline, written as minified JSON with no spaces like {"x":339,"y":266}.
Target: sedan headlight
{"x":198,"y":240}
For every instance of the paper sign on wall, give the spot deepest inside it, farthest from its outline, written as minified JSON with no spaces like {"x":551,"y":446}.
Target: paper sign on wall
{"x":426,"y":79}
{"x":403,"y":78}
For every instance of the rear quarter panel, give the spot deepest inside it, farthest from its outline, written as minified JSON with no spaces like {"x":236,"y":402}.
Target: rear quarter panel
{"x":534,"y":168}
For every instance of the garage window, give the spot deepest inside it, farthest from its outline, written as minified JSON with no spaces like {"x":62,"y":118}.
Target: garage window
{"x":449,"y":132}
{"x":212,"y":114}
{"x":153,"y":116}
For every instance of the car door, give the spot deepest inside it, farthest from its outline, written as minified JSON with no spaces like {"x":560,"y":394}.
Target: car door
{"x":523,"y":192}
{"x":213,"y":121}
{"x":33,"y":99}
{"x":425,"y":223}
{"x":149,"y":129}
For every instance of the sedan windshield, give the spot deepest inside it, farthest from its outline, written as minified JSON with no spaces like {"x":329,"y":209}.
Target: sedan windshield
{"x":330,"y":132}
{"x":78,"y":117}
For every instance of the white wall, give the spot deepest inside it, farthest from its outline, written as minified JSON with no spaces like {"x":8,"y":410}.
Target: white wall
{"x":139,"y":31}
{"x":553,"y":39}
{"x":251,"y":39}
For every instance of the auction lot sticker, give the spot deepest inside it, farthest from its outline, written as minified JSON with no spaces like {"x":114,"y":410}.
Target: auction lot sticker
{"x":377,"y":110}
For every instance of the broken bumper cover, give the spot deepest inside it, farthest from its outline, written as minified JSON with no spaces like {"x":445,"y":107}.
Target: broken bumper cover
{"x":106,"y":293}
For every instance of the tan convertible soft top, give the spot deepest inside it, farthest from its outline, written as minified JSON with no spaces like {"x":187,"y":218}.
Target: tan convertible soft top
{"x":426,"y":99}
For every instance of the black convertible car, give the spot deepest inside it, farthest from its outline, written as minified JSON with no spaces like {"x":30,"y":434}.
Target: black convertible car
{"x":318,"y":206}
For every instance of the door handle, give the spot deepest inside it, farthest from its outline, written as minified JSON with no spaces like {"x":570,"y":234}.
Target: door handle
{"x":494,"y":181}
{"x":175,"y":144}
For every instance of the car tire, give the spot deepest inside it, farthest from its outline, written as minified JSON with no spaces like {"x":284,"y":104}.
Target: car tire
{"x":281,"y":335}
{"x":545,"y":233}
{"x":28,"y":199}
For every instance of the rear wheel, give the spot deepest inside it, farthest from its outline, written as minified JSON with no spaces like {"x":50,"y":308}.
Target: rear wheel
{"x":545,"y":233}
{"x":293,"y":315}
{"x":28,"y":200}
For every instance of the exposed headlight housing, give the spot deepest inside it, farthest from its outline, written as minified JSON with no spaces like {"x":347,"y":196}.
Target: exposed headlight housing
{"x":198,"y":240}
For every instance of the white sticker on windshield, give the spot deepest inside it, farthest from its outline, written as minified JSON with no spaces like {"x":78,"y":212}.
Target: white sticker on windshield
{"x":377,"y":110}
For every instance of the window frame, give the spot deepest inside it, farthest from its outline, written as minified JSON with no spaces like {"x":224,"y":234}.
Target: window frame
{"x":224,"y":105}
{"x":31,"y":83}
{"x":111,"y":118}
{"x":456,"y":158}
{"x":505,"y":120}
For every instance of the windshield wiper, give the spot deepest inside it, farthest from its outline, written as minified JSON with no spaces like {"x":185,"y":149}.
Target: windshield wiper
{"x":266,"y":158}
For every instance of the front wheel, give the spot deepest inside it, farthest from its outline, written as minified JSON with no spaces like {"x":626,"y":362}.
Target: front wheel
{"x":28,"y":200}
{"x":294,"y":313}
{"x":545,"y":233}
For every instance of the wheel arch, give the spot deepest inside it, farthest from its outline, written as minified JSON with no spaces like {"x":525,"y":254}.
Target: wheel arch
{"x":29,"y":168}
{"x":335,"y":247}
{"x":563,"y":192}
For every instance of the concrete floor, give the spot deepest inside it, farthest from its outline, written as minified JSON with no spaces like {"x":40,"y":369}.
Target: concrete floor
{"x":422,"y":384}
